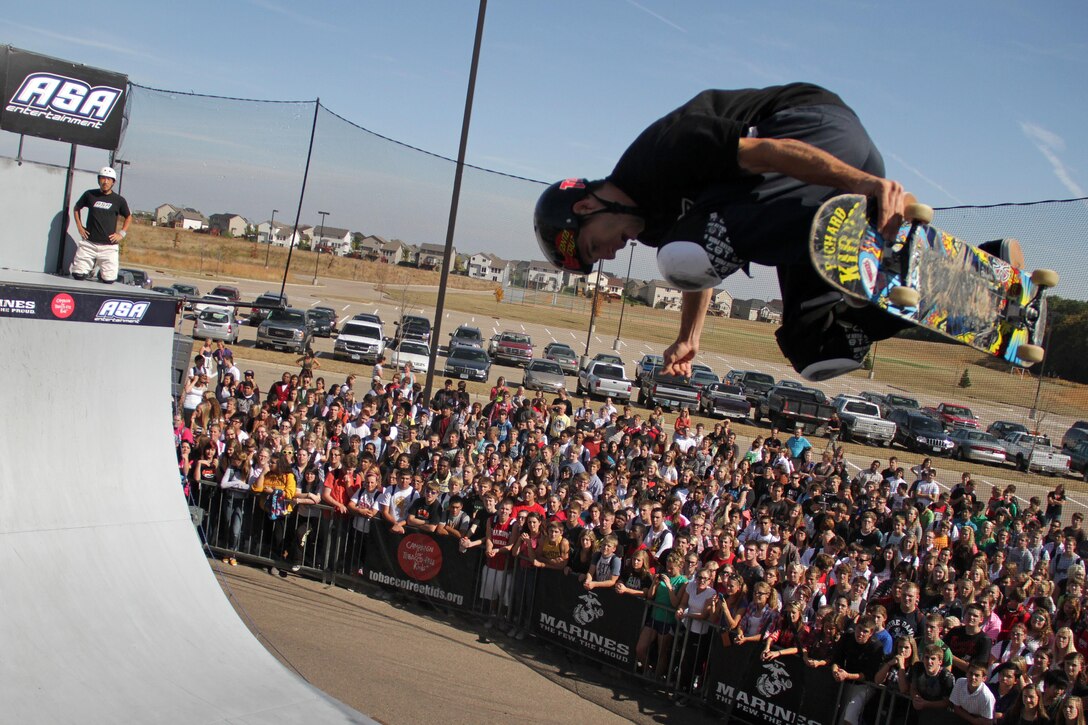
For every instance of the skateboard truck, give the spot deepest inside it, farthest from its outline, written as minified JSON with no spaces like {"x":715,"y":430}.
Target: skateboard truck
{"x":903,"y":296}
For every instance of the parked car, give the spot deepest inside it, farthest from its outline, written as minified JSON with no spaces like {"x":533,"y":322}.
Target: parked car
{"x":139,"y":277}
{"x":1078,"y":457}
{"x":1076,"y":433}
{"x":285,"y":330}
{"x":1001,"y":429}
{"x":953,"y":415}
{"x":414,"y":327}
{"x":410,"y":351}
{"x":1032,"y":452}
{"x":186,"y":291}
{"x":257,"y":315}
{"x":544,"y":375}
{"x":647,"y":364}
{"x":918,"y":432}
{"x":208,"y":302}
{"x":754,"y":384}
{"x":468,"y":363}
{"x":861,"y":420}
{"x":605,"y":379}
{"x":787,"y":406}
{"x":466,"y":335}
{"x":701,"y":378}
{"x":512,"y":348}
{"x":216,"y":324}
{"x":359,"y":341}
{"x":368,"y":317}
{"x":323,"y":321}
{"x":977,"y":445}
{"x":564,"y":355}
{"x":166,"y":291}
{"x":607,"y":357}
{"x":725,"y":400}
{"x":668,"y":391}
{"x":228,"y":291}
{"x":893,"y":401}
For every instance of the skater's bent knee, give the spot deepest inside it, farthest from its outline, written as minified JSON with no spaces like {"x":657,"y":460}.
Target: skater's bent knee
{"x":687,"y":265}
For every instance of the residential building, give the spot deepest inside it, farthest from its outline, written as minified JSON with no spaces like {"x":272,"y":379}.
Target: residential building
{"x":283,"y":235}
{"x":163,"y":212}
{"x":489,"y":267}
{"x":657,"y":294}
{"x":188,"y":218}
{"x":609,"y":285}
{"x":746,"y":309}
{"x":331,"y":240}
{"x":228,"y":225}
{"x":541,"y":276}
{"x":431,"y":255}
{"x":771,"y":312}
{"x":721,"y":302}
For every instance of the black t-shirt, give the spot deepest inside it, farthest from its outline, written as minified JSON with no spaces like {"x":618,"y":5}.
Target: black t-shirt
{"x":974,"y":648}
{"x":864,"y":659}
{"x":102,"y":212}
{"x":902,"y":624}
{"x":430,"y":513}
{"x":932,"y":687}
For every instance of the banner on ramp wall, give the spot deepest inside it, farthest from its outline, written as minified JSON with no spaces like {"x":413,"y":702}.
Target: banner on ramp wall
{"x":602,"y":624}
{"x":59,"y":100}
{"x":783,"y":691}
{"x":422,"y":563}
{"x":111,"y":306}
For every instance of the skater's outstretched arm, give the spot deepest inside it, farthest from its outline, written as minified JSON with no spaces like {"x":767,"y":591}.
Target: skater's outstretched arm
{"x":678,"y":356}
{"x":815,"y":166}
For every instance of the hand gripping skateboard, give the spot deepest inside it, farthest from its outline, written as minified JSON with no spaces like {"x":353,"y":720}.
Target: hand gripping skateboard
{"x":932,"y":279}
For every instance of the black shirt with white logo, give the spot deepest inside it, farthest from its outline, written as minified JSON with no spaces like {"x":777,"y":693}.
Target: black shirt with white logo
{"x":102,"y":212}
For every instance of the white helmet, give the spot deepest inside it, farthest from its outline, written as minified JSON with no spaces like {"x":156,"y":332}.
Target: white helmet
{"x":108,"y":173}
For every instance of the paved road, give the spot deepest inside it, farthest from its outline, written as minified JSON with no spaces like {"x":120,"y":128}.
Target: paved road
{"x":407,"y":664}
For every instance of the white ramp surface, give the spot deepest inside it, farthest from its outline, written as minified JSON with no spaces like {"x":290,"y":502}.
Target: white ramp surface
{"x":109,"y":612}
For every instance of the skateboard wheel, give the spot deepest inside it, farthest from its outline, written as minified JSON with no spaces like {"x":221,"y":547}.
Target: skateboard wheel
{"x":1030,"y":354}
{"x":921,"y":213}
{"x":1045,"y":278}
{"x":904,"y":296}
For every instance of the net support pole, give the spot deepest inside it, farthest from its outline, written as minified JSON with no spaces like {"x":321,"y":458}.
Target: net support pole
{"x":65,"y":220}
{"x":301,"y":196}
{"x":447,"y":256}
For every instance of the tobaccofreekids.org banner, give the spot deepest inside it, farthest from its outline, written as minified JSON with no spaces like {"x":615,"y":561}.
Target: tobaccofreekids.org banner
{"x":59,"y":100}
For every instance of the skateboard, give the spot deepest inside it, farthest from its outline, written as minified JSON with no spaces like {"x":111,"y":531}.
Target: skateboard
{"x":932,"y":279}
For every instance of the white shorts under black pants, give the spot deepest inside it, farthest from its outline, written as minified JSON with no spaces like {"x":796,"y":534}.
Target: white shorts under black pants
{"x":90,"y":253}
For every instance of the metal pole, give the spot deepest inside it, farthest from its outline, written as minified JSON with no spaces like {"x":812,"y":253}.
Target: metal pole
{"x":301,"y":196}
{"x":446,"y":259}
{"x":64,"y":219}
{"x":320,"y":234}
{"x":271,"y":229}
{"x":121,"y":174}
{"x":623,"y":299}
{"x":1033,"y":414}
{"x":872,"y":369}
{"x":593,"y":311}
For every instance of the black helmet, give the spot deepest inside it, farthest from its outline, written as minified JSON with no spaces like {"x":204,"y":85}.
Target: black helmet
{"x":556,"y":225}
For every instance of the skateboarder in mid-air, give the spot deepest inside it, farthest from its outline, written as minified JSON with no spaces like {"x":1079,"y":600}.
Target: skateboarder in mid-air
{"x":728,"y":179}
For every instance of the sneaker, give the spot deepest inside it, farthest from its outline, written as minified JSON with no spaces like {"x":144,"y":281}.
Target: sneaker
{"x":296,"y":568}
{"x":233,"y":561}
{"x":521,"y":635}
{"x":226,"y":559}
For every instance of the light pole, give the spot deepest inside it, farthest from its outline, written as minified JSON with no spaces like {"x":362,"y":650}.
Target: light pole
{"x":121,"y":174}
{"x":320,"y":234}
{"x":271,"y":230}
{"x":623,"y":299}
{"x":592,"y":312}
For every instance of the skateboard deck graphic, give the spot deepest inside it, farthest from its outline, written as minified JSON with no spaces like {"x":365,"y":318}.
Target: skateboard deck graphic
{"x":955,"y":289}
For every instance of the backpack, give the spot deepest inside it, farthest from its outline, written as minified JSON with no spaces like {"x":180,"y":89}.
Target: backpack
{"x":277,"y":504}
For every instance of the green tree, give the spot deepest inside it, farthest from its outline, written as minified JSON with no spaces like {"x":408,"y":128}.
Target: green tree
{"x":965,"y":379}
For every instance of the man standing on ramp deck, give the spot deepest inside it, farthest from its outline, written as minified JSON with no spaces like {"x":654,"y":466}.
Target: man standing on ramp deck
{"x":100,"y":238}
{"x":728,"y":179}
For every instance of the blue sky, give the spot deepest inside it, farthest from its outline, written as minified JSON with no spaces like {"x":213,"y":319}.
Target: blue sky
{"x":970,"y":102}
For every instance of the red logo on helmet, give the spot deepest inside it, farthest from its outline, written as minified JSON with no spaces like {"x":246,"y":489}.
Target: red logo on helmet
{"x":571,"y":184}
{"x":568,"y":247}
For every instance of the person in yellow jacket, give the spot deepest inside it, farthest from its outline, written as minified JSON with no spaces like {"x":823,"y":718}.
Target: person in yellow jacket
{"x":278,"y":492}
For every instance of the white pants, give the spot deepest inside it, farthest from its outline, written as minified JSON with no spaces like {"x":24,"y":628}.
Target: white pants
{"x":104,"y":255}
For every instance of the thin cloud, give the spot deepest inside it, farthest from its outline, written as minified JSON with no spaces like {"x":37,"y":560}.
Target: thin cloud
{"x":118,"y":48}
{"x":301,"y":18}
{"x":652,"y":14}
{"x":1049,"y":145}
{"x":926,"y":179}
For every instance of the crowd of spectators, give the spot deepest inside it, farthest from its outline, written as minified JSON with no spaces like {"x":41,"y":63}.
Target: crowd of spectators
{"x":957,"y":600}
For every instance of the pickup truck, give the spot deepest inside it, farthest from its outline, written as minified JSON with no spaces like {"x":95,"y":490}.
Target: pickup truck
{"x":668,"y":391}
{"x":787,"y":407}
{"x":513,"y":348}
{"x":605,"y":379}
{"x":952,"y":416}
{"x":1031,"y":452}
{"x":861,"y":421}
{"x":725,"y":400}
{"x":647,"y":365}
{"x":755,"y":386}
{"x":608,"y":357}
